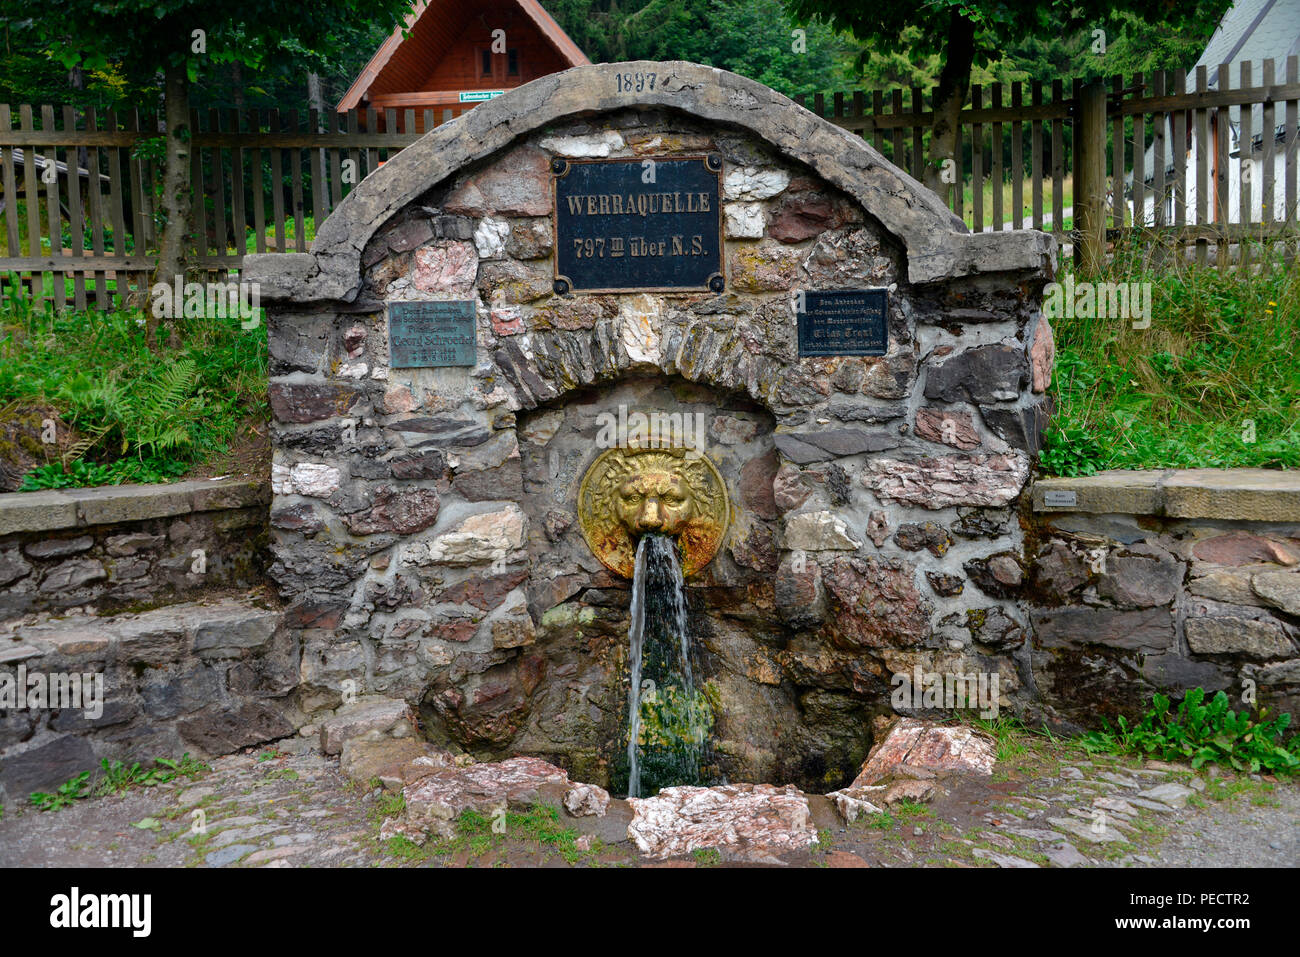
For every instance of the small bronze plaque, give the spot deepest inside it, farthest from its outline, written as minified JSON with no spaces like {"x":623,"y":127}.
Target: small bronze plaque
{"x":853,"y":322}
{"x":423,"y":334}
{"x":652,"y":225}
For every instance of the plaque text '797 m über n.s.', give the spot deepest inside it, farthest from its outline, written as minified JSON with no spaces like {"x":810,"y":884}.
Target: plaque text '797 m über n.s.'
{"x":643,"y":224}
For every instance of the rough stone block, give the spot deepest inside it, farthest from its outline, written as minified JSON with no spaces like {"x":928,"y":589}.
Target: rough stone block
{"x":1141,"y":576}
{"x":302,"y":402}
{"x":86,"y":639}
{"x":831,"y":443}
{"x":1279,"y":589}
{"x":230,"y":628}
{"x":1237,"y":636}
{"x":386,"y":716}
{"x":153,"y":638}
{"x":225,"y":730}
{"x":819,"y":531}
{"x":1260,"y":495}
{"x":1150,"y":629}
{"x":946,"y":480}
{"x":71,"y":575}
{"x":800,"y":596}
{"x":36,"y":511}
{"x":58,"y":547}
{"x":983,"y":374}
{"x":1021,"y":428}
{"x":44,"y":765}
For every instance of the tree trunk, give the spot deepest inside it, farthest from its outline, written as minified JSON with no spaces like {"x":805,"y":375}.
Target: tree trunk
{"x":315,"y":93}
{"x":237,"y":82}
{"x":176,"y":197}
{"x":949,"y":98}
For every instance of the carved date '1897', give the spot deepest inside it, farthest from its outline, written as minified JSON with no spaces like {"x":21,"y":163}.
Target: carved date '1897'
{"x":636,"y":82}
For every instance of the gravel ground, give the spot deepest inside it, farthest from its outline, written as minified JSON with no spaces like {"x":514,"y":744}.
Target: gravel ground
{"x":1045,"y":805}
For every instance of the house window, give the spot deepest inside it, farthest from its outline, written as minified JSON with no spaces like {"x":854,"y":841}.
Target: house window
{"x":495,"y":66}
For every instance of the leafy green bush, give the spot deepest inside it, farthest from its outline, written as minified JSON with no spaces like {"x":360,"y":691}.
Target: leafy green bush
{"x":1203,"y":732}
{"x":144,"y":416}
{"x":67,"y":794}
{"x":1213,"y":382}
{"x":84,"y":474}
{"x":120,"y":777}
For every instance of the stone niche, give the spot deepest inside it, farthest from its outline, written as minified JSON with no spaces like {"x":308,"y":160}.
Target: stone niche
{"x":424,"y":520}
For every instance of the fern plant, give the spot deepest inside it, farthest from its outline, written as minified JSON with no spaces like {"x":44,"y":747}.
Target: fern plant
{"x":160,"y":419}
{"x":149,"y":416}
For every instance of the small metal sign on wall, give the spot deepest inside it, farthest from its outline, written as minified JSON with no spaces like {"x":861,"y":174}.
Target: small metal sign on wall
{"x":425,"y":334}
{"x":850,"y":322}
{"x":646,"y":225}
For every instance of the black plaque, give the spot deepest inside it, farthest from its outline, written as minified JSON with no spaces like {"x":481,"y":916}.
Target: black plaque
{"x":653,"y":225}
{"x":852,"y":322}
{"x":423,"y":334}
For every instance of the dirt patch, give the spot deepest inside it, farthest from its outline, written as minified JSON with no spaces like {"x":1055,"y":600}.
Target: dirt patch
{"x":249,"y":454}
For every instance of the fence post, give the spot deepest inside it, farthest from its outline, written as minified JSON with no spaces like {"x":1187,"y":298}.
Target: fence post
{"x":1090,"y":180}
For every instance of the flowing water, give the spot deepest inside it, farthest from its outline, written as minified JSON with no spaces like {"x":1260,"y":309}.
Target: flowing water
{"x":669,"y":719}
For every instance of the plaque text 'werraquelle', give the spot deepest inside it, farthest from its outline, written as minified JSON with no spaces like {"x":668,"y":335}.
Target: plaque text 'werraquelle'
{"x":642,"y":224}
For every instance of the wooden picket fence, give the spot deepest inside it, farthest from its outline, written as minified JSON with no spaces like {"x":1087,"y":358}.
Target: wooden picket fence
{"x":1077,"y":165}
{"x":262,"y":180}
{"x":1072,"y":161}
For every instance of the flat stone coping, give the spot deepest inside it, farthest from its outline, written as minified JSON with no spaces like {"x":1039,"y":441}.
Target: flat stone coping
{"x":1260,"y":495}
{"x":55,"y":509}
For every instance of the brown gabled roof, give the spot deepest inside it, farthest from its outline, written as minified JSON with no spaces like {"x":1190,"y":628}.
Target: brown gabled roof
{"x":545,"y":23}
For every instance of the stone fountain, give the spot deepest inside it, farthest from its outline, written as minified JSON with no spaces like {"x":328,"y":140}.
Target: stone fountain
{"x":852,"y":386}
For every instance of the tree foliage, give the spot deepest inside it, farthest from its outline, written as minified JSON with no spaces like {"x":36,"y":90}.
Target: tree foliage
{"x":755,"y":38}
{"x":250,"y":62}
{"x":966,"y":34}
{"x":1139,"y":33}
{"x":175,"y":40}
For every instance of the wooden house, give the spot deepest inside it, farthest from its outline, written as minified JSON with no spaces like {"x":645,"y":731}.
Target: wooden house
{"x":452,"y":55}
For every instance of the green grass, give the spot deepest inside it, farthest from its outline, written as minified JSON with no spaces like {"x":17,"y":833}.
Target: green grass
{"x":477,"y":834}
{"x":884,"y":821}
{"x":1007,"y":730}
{"x":1213,"y":383}
{"x":907,"y":809}
{"x":706,"y":856}
{"x":1027,"y":201}
{"x":143,"y":416}
{"x":290,"y":235}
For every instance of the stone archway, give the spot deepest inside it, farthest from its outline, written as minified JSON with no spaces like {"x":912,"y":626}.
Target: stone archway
{"x":874,"y":533}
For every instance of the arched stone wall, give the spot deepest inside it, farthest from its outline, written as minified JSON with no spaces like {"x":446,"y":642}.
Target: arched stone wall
{"x":423,"y":517}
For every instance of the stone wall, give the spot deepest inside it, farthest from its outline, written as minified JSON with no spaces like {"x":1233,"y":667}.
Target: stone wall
{"x":128,"y":631}
{"x":117,"y":547}
{"x":423,"y":519}
{"x":1164,"y":581}
{"x":205,"y":678}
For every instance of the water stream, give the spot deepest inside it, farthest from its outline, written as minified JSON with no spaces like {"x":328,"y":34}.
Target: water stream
{"x":669,"y":719}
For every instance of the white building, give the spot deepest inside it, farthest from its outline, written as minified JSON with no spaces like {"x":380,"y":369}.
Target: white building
{"x":1253,"y":31}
